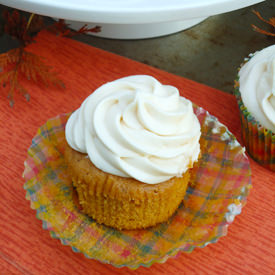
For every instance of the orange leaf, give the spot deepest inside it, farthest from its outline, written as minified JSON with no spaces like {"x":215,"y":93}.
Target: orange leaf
{"x":271,"y":21}
{"x":30,"y":66}
{"x":262,"y":31}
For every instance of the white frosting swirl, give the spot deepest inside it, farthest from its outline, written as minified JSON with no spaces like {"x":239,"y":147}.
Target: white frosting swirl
{"x":136,"y":127}
{"x":257,"y":87}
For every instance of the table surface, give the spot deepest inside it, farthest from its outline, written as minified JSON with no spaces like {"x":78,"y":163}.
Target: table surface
{"x":25,"y":248}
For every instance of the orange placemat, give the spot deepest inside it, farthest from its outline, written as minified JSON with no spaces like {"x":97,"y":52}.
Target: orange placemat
{"x":26,"y":248}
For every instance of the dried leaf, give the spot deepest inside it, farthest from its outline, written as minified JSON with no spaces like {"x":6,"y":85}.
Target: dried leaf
{"x":255,"y":28}
{"x":23,"y":64}
{"x":270,"y":22}
{"x":18,"y":63}
{"x":62,"y":29}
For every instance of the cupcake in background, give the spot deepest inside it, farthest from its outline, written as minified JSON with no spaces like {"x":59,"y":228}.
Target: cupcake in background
{"x":255,"y":92}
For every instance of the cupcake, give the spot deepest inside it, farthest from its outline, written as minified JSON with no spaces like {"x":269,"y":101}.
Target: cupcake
{"x":130,"y":148}
{"x":255,"y":92}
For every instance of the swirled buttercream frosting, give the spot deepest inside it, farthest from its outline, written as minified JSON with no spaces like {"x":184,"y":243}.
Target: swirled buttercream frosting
{"x":136,"y":127}
{"x":257,"y":86}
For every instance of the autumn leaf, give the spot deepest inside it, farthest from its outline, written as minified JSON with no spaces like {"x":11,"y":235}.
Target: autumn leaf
{"x":270,"y":22}
{"x":61,"y":28}
{"x":19,"y":63}
{"x":84,"y":30}
{"x":18,"y":27}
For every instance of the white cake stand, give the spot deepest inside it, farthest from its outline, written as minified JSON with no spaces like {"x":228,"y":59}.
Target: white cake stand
{"x":131,"y":19}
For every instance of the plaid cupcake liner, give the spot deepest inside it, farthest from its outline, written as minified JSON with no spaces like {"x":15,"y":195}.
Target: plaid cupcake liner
{"x":259,"y":141}
{"x":219,"y":187}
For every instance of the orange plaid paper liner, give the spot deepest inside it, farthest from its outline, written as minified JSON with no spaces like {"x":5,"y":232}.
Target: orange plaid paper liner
{"x":218,"y":190}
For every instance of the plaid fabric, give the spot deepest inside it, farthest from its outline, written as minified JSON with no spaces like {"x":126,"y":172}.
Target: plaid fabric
{"x":259,"y":141}
{"x":219,"y":187}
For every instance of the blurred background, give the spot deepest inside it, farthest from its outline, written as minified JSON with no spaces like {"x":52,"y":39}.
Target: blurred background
{"x":208,"y":53}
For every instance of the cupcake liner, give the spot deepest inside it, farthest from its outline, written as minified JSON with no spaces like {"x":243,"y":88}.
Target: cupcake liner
{"x":259,"y":141}
{"x":219,"y":187}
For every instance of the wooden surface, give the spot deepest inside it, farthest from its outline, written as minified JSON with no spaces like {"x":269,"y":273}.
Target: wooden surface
{"x":26,"y":248}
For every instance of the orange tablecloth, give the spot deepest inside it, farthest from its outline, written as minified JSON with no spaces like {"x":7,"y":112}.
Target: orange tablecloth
{"x":26,"y":248}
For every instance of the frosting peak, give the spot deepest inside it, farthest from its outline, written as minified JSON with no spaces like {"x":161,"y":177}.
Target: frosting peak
{"x":136,"y":127}
{"x":257,"y":87}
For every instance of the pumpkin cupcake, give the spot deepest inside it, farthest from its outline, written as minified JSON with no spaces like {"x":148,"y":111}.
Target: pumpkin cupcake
{"x":255,"y":92}
{"x":131,"y":145}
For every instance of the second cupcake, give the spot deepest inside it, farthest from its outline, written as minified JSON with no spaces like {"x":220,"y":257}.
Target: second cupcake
{"x":255,"y":92}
